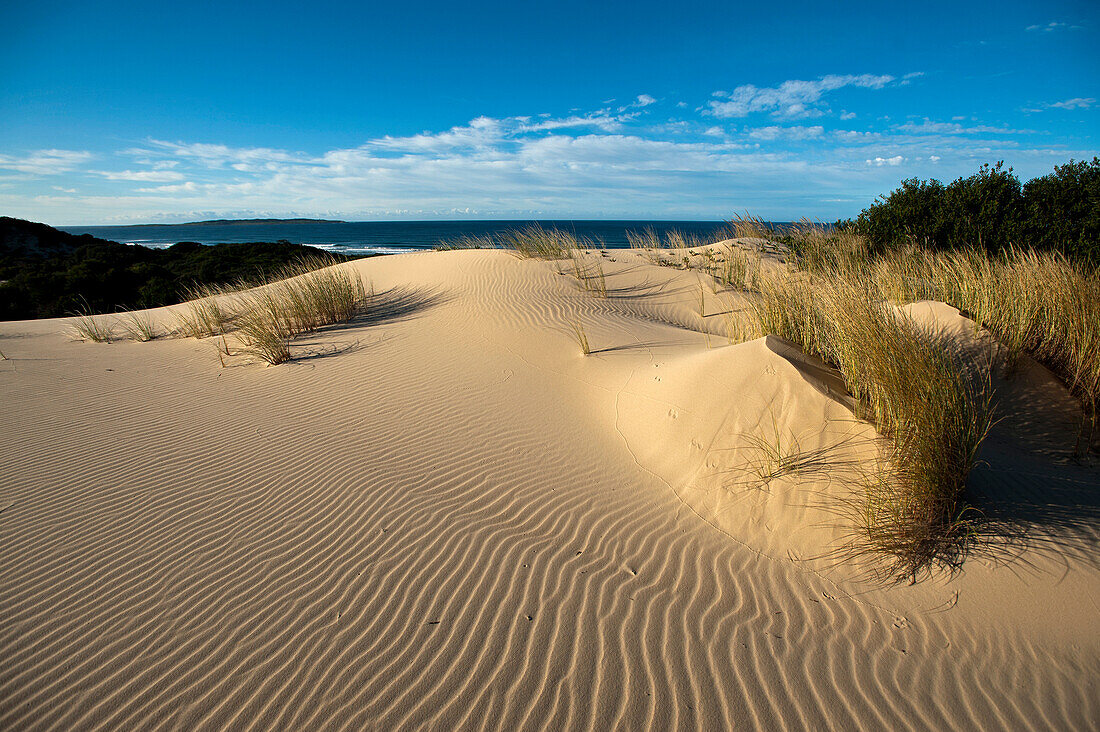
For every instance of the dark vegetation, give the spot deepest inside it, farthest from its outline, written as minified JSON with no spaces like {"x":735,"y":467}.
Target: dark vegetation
{"x":46,"y":273}
{"x":993,"y":211}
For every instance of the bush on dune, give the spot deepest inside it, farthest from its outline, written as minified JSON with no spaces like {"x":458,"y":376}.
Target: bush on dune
{"x":993,"y":212}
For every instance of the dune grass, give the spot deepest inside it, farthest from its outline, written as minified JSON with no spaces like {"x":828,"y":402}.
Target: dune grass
{"x":736,"y":268}
{"x":591,"y":278}
{"x":205,"y":313}
{"x":1039,"y":304}
{"x":931,"y":401}
{"x":535,"y":242}
{"x":580,"y":336}
{"x":88,"y":327}
{"x":264,"y":327}
{"x":744,"y":226}
{"x":138,"y":326}
{"x":270,"y":316}
{"x":468,"y":241}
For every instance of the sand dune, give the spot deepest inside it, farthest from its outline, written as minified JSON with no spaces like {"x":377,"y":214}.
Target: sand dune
{"x":444,"y":516}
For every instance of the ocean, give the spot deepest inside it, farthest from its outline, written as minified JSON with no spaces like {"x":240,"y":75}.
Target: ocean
{"x":374,"y":237}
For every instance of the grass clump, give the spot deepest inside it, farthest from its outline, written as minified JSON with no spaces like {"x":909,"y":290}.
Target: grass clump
{"x":535,"y":242}
{"x":931,"y":401}
{"x":1036,"y":303}
{"x":95,"y":328}
{"x":591,"y":278}
{"x":739,"y":269}
{"x":265,"y":327}
{"x":138,"y":326}
{"x":646,"y":240}
{"x":468,"y":241}
{"x":744,"y":226}
{"x":272,"y":315}
{"x":205,"y":313}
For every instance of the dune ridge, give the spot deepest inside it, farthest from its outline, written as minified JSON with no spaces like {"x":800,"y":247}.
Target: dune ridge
{"x":444,"y":516}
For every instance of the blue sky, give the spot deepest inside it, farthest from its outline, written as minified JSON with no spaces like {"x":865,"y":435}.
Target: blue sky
{"x":145,"y":112}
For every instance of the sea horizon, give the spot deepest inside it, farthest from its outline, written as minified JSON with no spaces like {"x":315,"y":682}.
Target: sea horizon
{"x":381,"y":237}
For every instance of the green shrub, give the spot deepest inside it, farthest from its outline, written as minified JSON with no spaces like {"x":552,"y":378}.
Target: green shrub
{"x":1062,"y":210}
{"x":990,"y":210}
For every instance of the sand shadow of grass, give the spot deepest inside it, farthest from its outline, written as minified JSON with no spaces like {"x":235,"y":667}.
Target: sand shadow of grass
{"x":395,"y":305}
{"x":638,"y":346}
{"x":1030,"y":507}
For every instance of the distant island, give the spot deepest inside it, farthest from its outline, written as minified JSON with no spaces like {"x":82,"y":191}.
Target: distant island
{"x":242,"y":222}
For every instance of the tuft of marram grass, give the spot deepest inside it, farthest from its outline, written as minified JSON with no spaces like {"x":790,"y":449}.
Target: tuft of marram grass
{"x":205,"y":313}
{"x":270,"y":316}
{"x":1036,"y":303}
{"x":535,"y":242}
{"x":264,"y":327}
{"x":821,"y":249}
{"x":138,"y":326}
{"x":744,"y":226}
{"x":468,"y":241}
{"x":88,"y":327}
{"x":646,"y":240}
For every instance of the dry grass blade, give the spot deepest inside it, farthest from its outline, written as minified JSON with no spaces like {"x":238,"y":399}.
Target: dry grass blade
{"x":580,"y":336}
{"x":468,"y":241}
{"x":205,"y":313}
{"x":264,"y":332}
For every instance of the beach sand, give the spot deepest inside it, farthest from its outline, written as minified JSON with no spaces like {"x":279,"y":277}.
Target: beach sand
{"x":444,"y":516}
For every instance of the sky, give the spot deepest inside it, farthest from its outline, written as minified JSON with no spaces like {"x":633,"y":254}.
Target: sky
{"x":117,"y":112}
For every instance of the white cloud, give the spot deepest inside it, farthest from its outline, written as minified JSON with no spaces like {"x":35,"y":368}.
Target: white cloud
{"x":46,"y":162}
{"x":928,"y":127}
{"x":879,"y":162}
{"x":1075,"y":103}
{"x":785,"y":133}
{"x":845,"y":115}
{"x":1052,"y":26}
{"x":792,"y":98}
{"x":147,"y":176}
{"x":188,"y":187}
{"x":612,"y":162}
